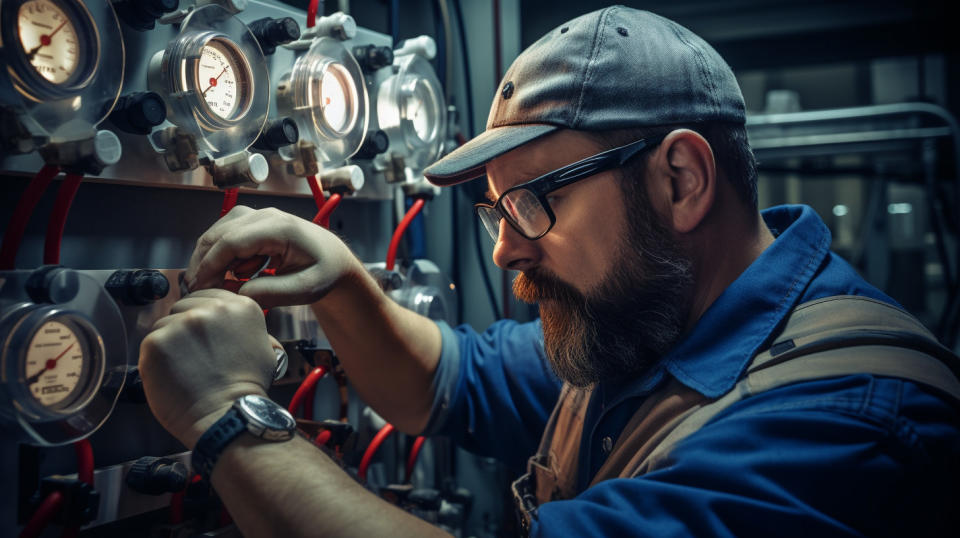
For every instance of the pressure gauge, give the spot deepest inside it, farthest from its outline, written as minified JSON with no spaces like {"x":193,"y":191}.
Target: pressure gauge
{"x":213,"y":78}
{"x":326,"y":95}
{"x":60,"y":79}
{"x":63,"y":364}
{"x":412,"y":111}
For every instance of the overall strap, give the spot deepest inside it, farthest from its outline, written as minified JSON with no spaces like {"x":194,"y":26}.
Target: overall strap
{"x":831,"y":337}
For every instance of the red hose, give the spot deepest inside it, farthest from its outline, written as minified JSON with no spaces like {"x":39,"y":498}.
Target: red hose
{"x":84,"y":460}
{"x":308,"y":385}
{"x":176,"y":502}
{"x":323,"y":438}
{"x":323,"y":216}
{"x":412,"y":459}
{"x":316,"y":190}
{"x":58,"y":217}
{"x":229,"y":200}
{"x":312,"y":13}
{"x":372,"y":449}
{"x":21,"y":215}
{"x":401,"y":228}
{"x":43,"y":515}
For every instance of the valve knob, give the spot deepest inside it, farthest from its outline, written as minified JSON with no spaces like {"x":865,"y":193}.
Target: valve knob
{"x":139,"y":112}
{"x":138,"y":287}
{"x":375,"y":143}
{"x":52,"y":284}
{"x":143,"y":14}
{"x":271,"y":32}
{"x":278,"y":133}
{"x":156,"y":476}
{"x":373,"y":57}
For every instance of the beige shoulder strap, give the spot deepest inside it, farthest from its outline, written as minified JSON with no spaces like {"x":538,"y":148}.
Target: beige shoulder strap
{"x":831,"y":337}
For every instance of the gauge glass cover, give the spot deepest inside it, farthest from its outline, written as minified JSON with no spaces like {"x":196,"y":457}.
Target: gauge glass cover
{"x":49,"y":39}
{"x":338,"y":98}
{"x":55,"y":365}
{"x":224,"y":79}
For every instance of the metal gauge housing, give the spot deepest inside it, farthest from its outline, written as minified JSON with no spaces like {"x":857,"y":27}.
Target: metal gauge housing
{"x":214,"y":80}
{"x":62,"y":366}
{"x":325,"y":93}
{"x":412,"y":111}
{"x":63,"y":64}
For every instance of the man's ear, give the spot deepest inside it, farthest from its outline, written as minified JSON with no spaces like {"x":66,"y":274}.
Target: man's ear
{"x":687,"y":176}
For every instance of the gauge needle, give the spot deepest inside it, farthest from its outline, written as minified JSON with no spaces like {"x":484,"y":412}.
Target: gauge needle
{"x":50,"y":365}
{"x":44,"y":41}
{"x":213,"y":81}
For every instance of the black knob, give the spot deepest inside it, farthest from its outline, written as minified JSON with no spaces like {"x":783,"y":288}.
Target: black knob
{"x":278,"y":133}
{"x":138,"y":113}
{"x":52,"y":284}
{"x":373,"y":57}
{"x":375,"y":143}
{"x":143,"y":14}
{"x":271,"y":32}
{"x":156,"y":476}
{"x":138,"y":287}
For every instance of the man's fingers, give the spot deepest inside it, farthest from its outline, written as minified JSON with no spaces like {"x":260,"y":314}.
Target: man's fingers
{"x":240,"y":243}
{"x":300,"y":287}
{"x":213,"y":234}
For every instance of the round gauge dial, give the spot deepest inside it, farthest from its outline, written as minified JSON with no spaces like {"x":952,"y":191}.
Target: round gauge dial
{"x":224,"y":79}
{"x":57,"y":362}
{"x":338,"y":98}
{"x":49,"y":39}
{"x":419,"y":108}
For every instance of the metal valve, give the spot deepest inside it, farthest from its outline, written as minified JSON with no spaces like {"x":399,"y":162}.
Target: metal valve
{"x":86,"y":156}
{"x":344,"y":180}
{"x":239,"y":168}
{"x":424,"y":46}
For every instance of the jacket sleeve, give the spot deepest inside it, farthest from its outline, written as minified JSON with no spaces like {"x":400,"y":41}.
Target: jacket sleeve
{"x":493,"y":392}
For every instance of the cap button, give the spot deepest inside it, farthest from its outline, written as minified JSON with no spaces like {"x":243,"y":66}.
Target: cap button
{"x":507,"y":91}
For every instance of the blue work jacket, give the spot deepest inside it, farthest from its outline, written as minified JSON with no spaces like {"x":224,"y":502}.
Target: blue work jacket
{"x":854,"y":455}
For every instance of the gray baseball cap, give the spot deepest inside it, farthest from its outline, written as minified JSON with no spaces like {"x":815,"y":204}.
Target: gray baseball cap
{"x":611,"y":69}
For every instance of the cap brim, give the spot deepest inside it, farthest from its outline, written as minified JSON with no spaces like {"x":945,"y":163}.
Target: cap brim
{"x":469,"y":160}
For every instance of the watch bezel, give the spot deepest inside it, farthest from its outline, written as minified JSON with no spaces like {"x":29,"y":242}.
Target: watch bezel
{"x":252,"y":407}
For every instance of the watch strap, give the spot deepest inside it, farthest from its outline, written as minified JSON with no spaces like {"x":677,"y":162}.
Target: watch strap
{"x":213,"y":441}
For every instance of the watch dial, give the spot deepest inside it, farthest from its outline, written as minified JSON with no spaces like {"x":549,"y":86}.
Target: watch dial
{"x":271,"y":414}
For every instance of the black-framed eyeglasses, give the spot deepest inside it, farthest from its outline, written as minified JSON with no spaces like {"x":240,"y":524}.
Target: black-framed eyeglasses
{"x":525,"y":206}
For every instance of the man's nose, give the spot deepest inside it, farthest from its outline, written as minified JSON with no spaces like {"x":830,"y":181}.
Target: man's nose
{"x":514,"y":251}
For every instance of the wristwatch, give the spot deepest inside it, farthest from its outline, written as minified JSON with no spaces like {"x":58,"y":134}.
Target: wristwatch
{"x":261,"y":417}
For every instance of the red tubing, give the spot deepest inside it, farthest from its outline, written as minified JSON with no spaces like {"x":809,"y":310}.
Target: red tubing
{"x":312,"y":13}
{"x":412,"y":459}
{"x":316,"y":190}
{"x":58,"y":217}
{"x":229,"y":200}
{"x":372,"y":450}
{"x":401,"y":228}
{"x":308,"y":385}
{"x":323,"y":438}
{"x":43,"y":515}
{"x":84,"y":460}
{"x":323,"y":216}
{"x":21,"y":215}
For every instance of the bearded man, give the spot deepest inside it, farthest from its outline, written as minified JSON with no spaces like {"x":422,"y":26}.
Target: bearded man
{"x":623,"y":190}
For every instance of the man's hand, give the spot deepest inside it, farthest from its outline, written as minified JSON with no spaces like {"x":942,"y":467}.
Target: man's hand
{"x":308,"y":259}
{"x":211,"y":349}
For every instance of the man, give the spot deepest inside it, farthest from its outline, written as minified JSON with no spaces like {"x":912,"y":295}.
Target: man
{"x":658,"y":282}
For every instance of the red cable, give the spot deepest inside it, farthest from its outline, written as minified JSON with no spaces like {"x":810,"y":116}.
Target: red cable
{"x":401,"y":228}
{"x":58,"y":217}
{"x":372,"y":449}
{"x":323,"y":438}
{"x":312,"y":13}
{"x":21,"y":215}
{"x":323,"y":216}
{"x":316,"y":190}
{"x":43,"y":515}
{"x":84,"y":460}
{"x":176,"y":502}
{"x":412,"y":459}
{"x":308,"y":385}
{"x":229,"y":200}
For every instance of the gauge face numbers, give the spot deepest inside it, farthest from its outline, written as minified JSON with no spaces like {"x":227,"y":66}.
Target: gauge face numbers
{"x":338,"y":98}
{"x":49,"y":39}
{"x":224,"y":79}
{"x":55,"y":365}
{"x":420,"y":107}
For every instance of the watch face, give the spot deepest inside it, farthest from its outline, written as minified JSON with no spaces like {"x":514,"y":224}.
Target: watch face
{"x":269,"y":413}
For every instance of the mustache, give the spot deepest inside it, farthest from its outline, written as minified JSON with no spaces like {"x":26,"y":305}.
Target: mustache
{"x":537,"y":284}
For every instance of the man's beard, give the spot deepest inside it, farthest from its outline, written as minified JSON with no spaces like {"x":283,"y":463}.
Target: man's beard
{"x":620,"y":329}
